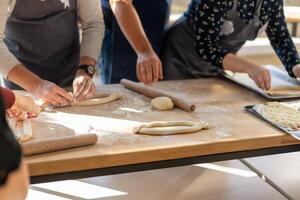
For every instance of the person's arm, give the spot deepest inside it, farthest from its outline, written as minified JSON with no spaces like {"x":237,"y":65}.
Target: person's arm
{"x":208,"y":21}
{"x":14,"y":71}
{"x":149,"y":67}
{"x":281,"y":40}
{"x":49,"y":92}
{"x":13,"y":172}
{"x":8,"y":96}
{"x":92,"y":25}
{"x":16,"y":104}
{"x":8,"y":60}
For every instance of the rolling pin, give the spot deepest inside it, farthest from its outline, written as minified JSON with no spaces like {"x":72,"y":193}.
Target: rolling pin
{"x":58,"y":143}
{"x":153,"y":93}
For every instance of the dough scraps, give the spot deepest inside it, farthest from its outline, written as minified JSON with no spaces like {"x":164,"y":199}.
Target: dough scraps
{"x":170,"y":128}
{"x":284,"y":91}
{"x":282,"y":115}
{"x":162,"y":103}
{"x":21,"y":128}
{"x":99,"y":101}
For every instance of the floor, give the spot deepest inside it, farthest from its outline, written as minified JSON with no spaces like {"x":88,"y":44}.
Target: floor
{"x":262,"y":178}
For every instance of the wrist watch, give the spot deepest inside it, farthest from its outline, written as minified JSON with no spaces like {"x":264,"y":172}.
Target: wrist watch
{"x":89,"y":69}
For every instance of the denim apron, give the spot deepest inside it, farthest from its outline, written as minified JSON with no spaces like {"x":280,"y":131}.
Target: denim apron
{"x":118,"y":59}
{"x":44,"y":36}
{"x":181,"y":60}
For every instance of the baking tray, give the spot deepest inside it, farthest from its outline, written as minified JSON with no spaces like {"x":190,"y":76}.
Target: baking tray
{"x":280,"y":78}
{"x":251,"y":109}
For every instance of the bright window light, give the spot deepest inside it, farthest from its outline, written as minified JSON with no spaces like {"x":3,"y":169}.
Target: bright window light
{"x":37,"y":195}
{"x":80,"y":189}
{"x":229,"y":170}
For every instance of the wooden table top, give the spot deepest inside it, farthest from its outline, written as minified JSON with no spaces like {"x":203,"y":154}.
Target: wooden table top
{"x":219,"y":102}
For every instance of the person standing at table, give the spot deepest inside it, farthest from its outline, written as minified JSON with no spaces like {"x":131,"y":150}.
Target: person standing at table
{"x":134,"y":32}
{"x":205,"y":41}
{"x":14,"y":177}
{"x":41,"y":51}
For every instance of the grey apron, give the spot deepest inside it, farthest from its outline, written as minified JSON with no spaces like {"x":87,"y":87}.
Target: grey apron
{"x":44,"y":36}
{"x":181,"y":60}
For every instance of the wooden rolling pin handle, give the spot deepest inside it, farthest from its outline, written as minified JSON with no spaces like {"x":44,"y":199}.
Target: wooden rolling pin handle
{"x":153,"y":93}
{"x":56,"y":144}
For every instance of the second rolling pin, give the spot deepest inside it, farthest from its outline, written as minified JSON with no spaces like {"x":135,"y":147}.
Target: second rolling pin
{"x":56,"y":144}
{"x":153,"y":93}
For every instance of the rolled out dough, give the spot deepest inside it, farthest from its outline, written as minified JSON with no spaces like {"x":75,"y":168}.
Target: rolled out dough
{"x":282,"y":115}
{"x":98,"y":101}
{"x":21,"y":128}
{"x":162,"y":103}
{"x":284,"y":91}
{"x":170,"y":128}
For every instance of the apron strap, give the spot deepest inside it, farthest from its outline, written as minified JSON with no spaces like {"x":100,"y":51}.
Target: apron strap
{"x":257,"y":12}
{"x":235,"y":5}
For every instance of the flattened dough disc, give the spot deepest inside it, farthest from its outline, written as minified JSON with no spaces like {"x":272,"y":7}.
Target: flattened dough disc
{"x":170,"y":128}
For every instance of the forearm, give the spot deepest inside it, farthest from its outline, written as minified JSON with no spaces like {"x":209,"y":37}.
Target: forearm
{"x":91,"y":18}
{"x":233,"y":63}
{"x":131,"y":25}
{"x":86,"y":60}
{"x":23,"y":77}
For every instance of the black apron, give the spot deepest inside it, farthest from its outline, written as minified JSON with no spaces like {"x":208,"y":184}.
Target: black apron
{"x":44,"y":36}
{"x":118,"y":59}
{"x":179,"y":56}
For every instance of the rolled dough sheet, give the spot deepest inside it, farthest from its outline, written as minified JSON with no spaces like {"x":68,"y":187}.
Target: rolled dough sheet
{"x":280,"y":114}
{"x":170,"y":128}
{"x":284,"y":91}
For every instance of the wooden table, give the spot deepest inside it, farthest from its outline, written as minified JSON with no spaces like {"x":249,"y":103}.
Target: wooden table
{"x":292,"y":15}
{"x":233,"y":133}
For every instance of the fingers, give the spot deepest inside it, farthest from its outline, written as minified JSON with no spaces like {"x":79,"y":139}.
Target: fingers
{"x":67,"y":98}
{"x":161,"y":76}
{"x":156,"y":72}
{"x":261,"y":82}
{"x":264,"y":80}
{"x":149,"y":75}
{"x":261,"y":76}
{"x":149,"y":68}
{"x":267,"y":79}
{"x":142,"y":76}
{"x":87,"y":91}
{"x":79,"y":87}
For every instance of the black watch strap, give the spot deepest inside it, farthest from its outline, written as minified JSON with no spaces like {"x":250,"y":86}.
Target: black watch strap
{"x":89,"y":69}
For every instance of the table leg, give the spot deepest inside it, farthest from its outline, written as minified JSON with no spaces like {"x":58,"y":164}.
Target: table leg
{"x":294,"y":29}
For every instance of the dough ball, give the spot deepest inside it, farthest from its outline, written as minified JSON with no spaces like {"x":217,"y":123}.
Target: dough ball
{"x":162,"y":103}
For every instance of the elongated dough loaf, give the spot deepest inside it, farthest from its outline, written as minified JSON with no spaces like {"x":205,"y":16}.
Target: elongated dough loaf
{"x":170,"y":128}
{"x":284,"y":91}
{"x":98,"y":101}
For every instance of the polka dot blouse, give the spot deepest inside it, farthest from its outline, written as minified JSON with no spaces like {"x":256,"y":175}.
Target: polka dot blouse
{"x":207,"y":17}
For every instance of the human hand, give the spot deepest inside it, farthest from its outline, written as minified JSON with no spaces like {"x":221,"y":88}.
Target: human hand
{"x":83,"y":86}
{"x":260,"y":75}
{"x":296,"y":71}
{"x":51,"y":94}
{"x":27,"y":104}
{"x":16,"y":113}
{"x":149,"y":68}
